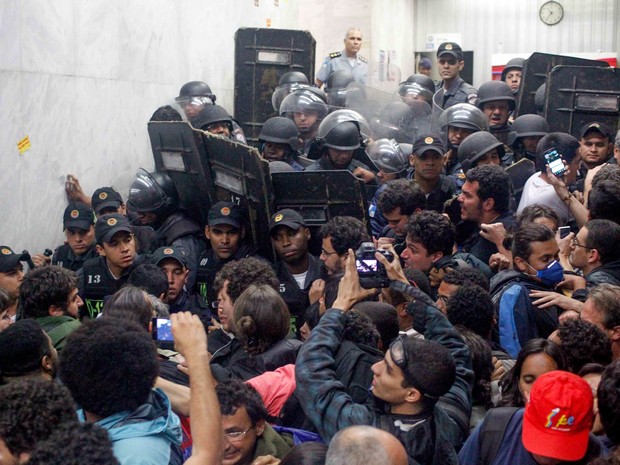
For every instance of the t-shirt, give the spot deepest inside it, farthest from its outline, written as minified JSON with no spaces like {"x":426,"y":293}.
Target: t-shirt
{"x":538,"y":191}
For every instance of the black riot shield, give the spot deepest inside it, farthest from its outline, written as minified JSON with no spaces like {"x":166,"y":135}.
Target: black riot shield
{"x":519,"y":173}
{"x":319,"y":196}
{"x":535,"y":71}
{"x":262,"y":56}
{"x":577,"y":95}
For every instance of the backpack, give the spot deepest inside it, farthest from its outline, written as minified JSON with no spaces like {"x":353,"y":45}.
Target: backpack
{"x":492,"y":432}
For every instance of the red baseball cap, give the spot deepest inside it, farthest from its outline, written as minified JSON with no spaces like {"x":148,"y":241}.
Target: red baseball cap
{"x":558,"y":417}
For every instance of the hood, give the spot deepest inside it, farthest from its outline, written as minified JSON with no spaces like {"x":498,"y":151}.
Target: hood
{"x":611,"y":268}
{"x":154,"y":417}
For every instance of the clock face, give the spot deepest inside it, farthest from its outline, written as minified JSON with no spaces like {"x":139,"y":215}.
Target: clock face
{"x":551,"y":13}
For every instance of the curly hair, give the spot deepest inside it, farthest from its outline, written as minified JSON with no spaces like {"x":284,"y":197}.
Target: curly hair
{"x":359,"y":329}
{"x":43,"y":287}
{"x":81,"y":443}
{"x":466,"y":275}
{"x":607,"y":171}
{"x":608,"y":395}
{"x":261,"y":318}
{"x":493,"y":183}
{"x":235,"y":394}
{"x":345,"y":233}
{"x":535,"y":211}
{"x":383,"y":317}
{"x":243,"y":272}
{"x":604,"y":236}
{"x":149,"y":277}
{"x":404,"y":194}
{"x":604,"y":201}
{"x":472,"y":308}
{"x":31,"y":409}
{"x":582,"y":343}
{"x":22,"y":346}
{"x":433,"y":230}
{"x":109,"y":365}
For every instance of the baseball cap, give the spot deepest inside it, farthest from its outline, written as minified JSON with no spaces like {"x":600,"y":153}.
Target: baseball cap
{"x":599,"y":127}
{"x":10,"y":259}
{"x":108,"y":225}
{"x":558,"y":417}
{"x":78,"y":215}
{"x":224,"y":213}
{"x":425,"y":63}
{"x":450,"y":48}
{"x":170,"y":252}
{"x":286,"y":217}
{"x":106,"y":197}
{"x":427,"y":142}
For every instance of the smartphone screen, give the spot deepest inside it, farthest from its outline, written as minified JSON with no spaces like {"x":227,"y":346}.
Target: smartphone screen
{"x":162,"y":330}
{"x":555,"y":162}
{"x":564,"y":231}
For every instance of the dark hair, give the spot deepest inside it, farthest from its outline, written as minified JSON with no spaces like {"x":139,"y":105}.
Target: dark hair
{"x":535,"y":211}
{"x":109,"y":365}
{"x":430,"y":369}
{"x":465,"y":275}
{"x":261,"y":318}
{"x":401,"y":193}
{"x":31,"y":410}
{"x":493,"y":183}
{"x":129,"y":304}
{"x":359,"y":329}
{"x":419,"y":278}
{"x":433,"y":230}
{"x":306,"y":453}
{"x":241,"y":273}
{"x":604,"y":201}
{"x":605,"y":298}
{"x":566,"y":145}
{"x":582,"y":343}
{"x":166,"y":113}
{"x":607,"y":172}
{"x":604,"y":236}
{"x":234,"y":394}
{"x":43,"y":287}
{"x":482,"y":365}
{"x":345,"y":233}
{"x":149,"y":277}
{"x":383,"y":317}
{"x":525,"y":235}
{"x":608,"y":395}
{"x":509,"y":384}
{"x":472,"y":308}
{"x":22,"y":346}
{"x":591,"y":369}
{"x":71,"y":444}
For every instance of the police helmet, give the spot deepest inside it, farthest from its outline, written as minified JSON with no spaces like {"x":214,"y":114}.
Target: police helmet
{"x":212,"y":114}
{"x":527,"y":126}
{"x":464,"y":115}
{"x":305,"y":100}
{"x":539,"y":99}
{"x":343,"y":136}
{"x":492,"y":91}
{"x":337,"y":85}
{"x":280,"y":130}
{"x":515,"y":63}
{"x":475,"y":146}
{"x":341,"y":116}
{"x":387,"y":156}
{"x":288,"y":82}
{"x":196,"y":89}
{"x":153,"y":192}
{"x":422,"y":80}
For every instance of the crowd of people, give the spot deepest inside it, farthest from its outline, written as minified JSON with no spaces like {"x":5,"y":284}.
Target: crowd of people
{"x":464,"y":319}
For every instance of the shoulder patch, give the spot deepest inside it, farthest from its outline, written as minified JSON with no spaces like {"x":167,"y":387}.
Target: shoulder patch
{"x":362,"y":59}
{"x":335,"y":54}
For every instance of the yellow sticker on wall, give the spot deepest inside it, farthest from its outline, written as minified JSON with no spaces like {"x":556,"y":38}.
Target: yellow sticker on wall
{"x":23,"y":145}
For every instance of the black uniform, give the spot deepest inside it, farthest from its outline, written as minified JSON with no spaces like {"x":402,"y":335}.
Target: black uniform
{"x":194,"y":303}
{"x":65,"y":258}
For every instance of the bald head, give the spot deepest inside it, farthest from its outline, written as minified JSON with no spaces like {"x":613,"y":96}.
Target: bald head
{"x":361,"y":445}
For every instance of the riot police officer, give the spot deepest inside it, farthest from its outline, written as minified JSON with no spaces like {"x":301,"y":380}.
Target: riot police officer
{"x":524,"y":135}
{"x":194,"y":96}
{"x":496,"y":101}
{"x":279,"y":141}
{"x":480,"y":148}
{"x":154,"y":197}
{"x":288,"y":82}
{"x":511,"y":74}
{"x":417,"y":87}
{"x":306,"y":107}
{"x":79,"y":228}
{"x":214,"y":119}
{"x":347,"y":59}
{"x":453,"y":89}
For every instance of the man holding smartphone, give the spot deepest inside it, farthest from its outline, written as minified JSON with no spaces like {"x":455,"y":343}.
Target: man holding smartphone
{"x":537,"y":189}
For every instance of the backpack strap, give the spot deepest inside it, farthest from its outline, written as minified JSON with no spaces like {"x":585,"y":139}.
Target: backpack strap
{"x":492,"y":432}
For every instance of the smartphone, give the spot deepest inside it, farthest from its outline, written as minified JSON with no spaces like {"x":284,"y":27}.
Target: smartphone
{"x":162,"y":332}
{"x":564,"y":231}
{"x":555,"y":162}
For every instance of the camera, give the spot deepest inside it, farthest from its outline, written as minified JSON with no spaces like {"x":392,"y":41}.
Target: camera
{"x":371,"y":272}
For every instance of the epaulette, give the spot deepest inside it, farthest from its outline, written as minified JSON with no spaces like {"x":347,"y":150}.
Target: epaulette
{"x":363,"y":59}
{"x":335,"y":54}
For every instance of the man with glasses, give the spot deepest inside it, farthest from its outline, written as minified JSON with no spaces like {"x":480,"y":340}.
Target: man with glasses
{"x":453,"y":89}
{"x":424,"y":385}
{"x":340,"y":234}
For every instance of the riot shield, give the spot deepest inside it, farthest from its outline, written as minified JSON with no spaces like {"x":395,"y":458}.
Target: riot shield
{"x":535,"y":71}
{"x":262,"y":56}
{"x":577,"y":95}
{"x":319,"y":196}
{"x":403,"y":122}
{"x":519,"y":173}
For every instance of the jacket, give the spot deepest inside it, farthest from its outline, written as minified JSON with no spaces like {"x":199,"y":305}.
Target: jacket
{"x":150,"y":435}
{"x":65,"y":258}
{"x":58,"y":328}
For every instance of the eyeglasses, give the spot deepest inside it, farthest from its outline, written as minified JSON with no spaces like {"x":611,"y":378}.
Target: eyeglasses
{"x":236,"y":435}
{"x":450,"y":61}
{"x":215,"y":304}
{"x":325,"y":252}
{"x":577,"y":244}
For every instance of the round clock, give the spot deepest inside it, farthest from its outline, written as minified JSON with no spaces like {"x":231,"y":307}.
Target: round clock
{"x":551,"y":13}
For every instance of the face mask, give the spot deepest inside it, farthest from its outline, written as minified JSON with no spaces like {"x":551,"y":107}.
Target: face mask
{"x":552,"y":275}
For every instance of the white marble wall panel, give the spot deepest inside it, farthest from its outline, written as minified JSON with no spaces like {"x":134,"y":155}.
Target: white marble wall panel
{"x":10,"y":43}
{"x":48,"y":37}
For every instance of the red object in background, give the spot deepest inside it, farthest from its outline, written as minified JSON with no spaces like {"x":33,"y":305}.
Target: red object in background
{"x":497,"y":70}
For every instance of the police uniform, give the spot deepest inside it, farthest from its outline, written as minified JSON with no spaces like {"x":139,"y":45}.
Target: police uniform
{"x":459,"y":92}
{"x":325,"y":164}
{"x":80,"y":216}
{"x":65,"y":258}
{"x":340,"y":61}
